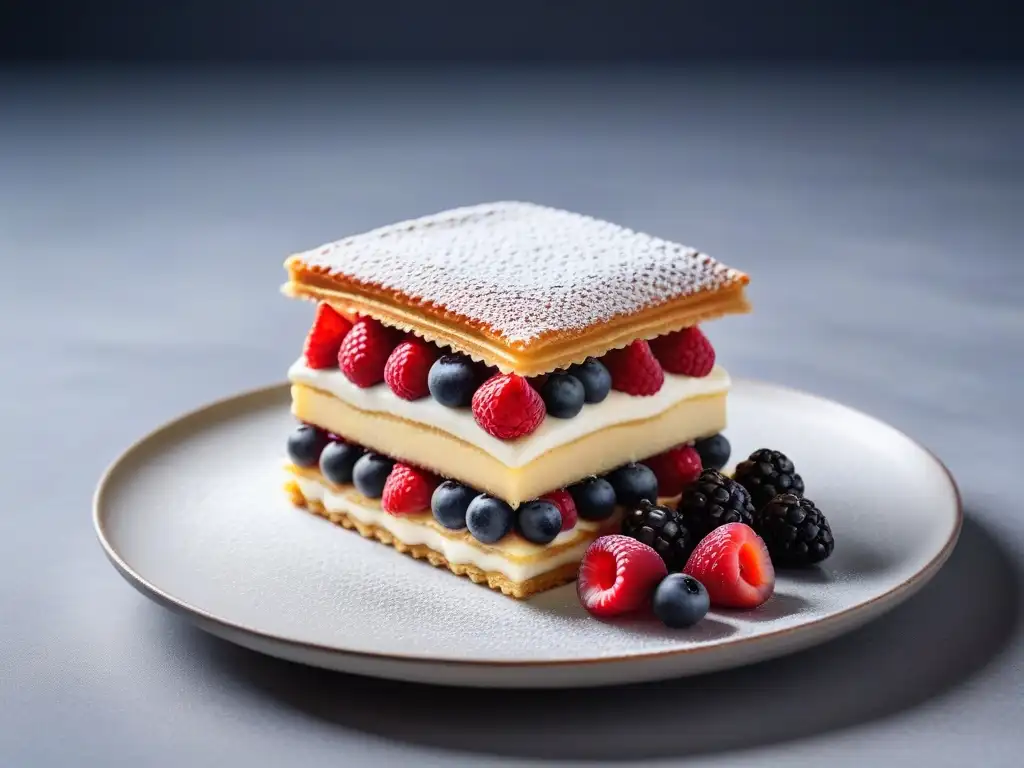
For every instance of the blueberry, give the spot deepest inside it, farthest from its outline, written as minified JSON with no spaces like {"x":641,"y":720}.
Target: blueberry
{"x":634,"y":482}
{"x":370,"y":473}
{"x":449,"y":504}
{"x":452,"y":380}
{"x":594,"y":377}
{"x":680,"y":601}
{"x":563,"y":395}
{"x":538,"y":521}
{"x":594,"y":498}
{"x":305,"y":444}
{"x":488,"y":519}
{"x":714,"y":451}
{"x":337,"y":460}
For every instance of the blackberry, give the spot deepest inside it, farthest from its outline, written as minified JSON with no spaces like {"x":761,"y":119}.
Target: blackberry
{"x":767,"y":473}
{"x":794,"y":530}
{"x":714,"y":500}
{"x":660,"y":528}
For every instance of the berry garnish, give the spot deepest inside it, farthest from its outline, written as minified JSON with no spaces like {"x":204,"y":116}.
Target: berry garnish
{"x":489,"y":519}
{"x":452,"y":380}
{"x":407,"y":368}
{"x":662,"y":529}
{"x":337,"y":460}
{"x":687,"y":352}
{"x":767,"y":473}
{"x":634,"y":369}
{"x":794,"y":530}
{"x":449,"y":503}
{"x":325,"y":337}
{"x":305,"y":444}
{"x":566,"y":507}
{"x":675,"y":469}
{"x":680,"y":601}
{"x":365,"y":351}
{"x":594,"y":377}
{"x":407,"y":490}
{"x":714,"y":451}
{"x":594,"y":498}
{"x":370,"y":474}
{"x":733,"y":564}
{"x":563,"y":395}
{"x":538,"y":521}
{"x":714,"y":500}
{"x":634,"y":482}
{"x":618,"y":575}
{"x":507,"y":407}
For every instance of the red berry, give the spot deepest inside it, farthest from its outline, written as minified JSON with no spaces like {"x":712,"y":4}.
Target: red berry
{"x":732,"y":563}
{"x":687,"y":352}
{"x":365,"y":351}
{"x":563,"y":500}
{"x":407,"y":368}
{"x":325,"y":337}
{"x":408,"y":490}
{"x":618,"y":575}
{"x":634,"y":369}
{"x":507,"y":407}
{"x":675,"y":469}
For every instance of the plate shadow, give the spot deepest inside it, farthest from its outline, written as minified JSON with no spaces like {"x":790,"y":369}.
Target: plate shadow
{"x":921,"y":650}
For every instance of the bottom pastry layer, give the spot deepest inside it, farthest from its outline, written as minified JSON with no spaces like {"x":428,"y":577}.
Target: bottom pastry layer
{"x":512,"y":566}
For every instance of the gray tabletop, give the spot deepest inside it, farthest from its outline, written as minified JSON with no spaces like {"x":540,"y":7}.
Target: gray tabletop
{"x":143,"y":222}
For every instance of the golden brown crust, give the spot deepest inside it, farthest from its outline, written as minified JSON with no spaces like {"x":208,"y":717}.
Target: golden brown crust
{"x":497,"y":581}
{"x":548,"y":351}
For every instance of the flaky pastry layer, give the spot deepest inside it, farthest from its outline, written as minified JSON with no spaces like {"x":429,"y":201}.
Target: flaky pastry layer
{"x":520,"y":590}
{"x":524,"y":287}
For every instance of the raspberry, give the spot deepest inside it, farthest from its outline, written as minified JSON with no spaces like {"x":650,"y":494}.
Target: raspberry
{"x":408,"y":490}
{"x":325,"y":337}
{"x":618,"y":575}
{"x":365,"y":351}
{"x":634,"y":369}
{"x":733,"y":564}
{"x":687,"y":352}
{"x":563,"y":500}
{"x":507,"y":407}
{"x":675,"y":469}
{"x":407,"y":368}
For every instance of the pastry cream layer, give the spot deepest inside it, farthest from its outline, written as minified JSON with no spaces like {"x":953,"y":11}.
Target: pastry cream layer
{"x":513,"y":557}
{"x":616,"y":408}
{"x":450,"y":456}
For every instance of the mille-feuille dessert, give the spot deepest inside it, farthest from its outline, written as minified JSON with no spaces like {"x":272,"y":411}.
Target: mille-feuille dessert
{"x":489,"y":387}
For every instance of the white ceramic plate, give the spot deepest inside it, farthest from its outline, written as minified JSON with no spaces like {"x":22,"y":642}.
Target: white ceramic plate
{"x":194,"y":516}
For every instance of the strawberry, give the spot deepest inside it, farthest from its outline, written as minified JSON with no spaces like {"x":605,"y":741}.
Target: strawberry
{"x":563,"y":500}
{"x":687,"y":352}
{"x":675,"y":469}
{"x":618,"y":575}
{"x":407,"y":368}
{"x":365,"y":351}
{"x":507,"y":407}
{"x":732,"y":563}
{"x":408,"y":490}
{"x":325,"y":337}
{"x":634,"y":369}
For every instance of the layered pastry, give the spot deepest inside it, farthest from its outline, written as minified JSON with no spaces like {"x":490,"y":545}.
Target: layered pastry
{"x":487,"y":388}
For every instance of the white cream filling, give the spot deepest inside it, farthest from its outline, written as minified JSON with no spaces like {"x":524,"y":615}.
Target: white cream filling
{"x":617,"y":408}
{"x":455,"y":551}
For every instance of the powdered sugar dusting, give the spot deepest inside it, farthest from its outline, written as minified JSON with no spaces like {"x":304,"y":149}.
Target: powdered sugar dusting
{"x":522,"y":269}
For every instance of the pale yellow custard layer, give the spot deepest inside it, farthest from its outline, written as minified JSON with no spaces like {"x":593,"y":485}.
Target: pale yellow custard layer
{"x":447,"y":455}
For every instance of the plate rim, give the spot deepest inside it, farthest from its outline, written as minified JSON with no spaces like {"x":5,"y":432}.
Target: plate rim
{"x":225,"y":627}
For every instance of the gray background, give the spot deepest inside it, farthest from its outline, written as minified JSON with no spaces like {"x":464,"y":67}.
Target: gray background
{"x":143,"y":221}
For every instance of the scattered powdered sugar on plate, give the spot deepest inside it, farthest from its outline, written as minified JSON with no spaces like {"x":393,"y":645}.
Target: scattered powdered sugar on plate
{"x":523,"y":269}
